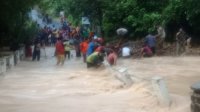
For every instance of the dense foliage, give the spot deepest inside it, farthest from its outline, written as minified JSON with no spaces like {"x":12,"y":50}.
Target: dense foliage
{"x":139,"y":16}
{"x":15,"y":25}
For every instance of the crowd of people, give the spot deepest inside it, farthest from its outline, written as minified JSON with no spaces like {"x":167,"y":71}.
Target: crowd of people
{"x":67,"y":38}
{"x":154,"y":42}
{"x":91,"y":47}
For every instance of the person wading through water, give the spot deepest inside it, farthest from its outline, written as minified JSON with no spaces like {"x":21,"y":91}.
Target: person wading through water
{"x":36,"y":51}
{"x":60,"y":51}
{"x":68,"y":47}
{"x":84,"y":47}
{"x":95,"y":59}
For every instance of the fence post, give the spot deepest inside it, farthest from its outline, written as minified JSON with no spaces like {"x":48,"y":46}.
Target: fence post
{"x":124,"y":76}
{"x":3,"y":64}
{"x":161,"y":91}
{"x":195,"y":105}
{"x":22,"y":53}
{"x":12,"y":61}
{"x":17,"y":57}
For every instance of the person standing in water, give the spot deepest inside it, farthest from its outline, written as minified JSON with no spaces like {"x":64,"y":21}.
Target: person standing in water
{"x":91,"y":47}
{"x":112,"y":58}
{"x":160,"y":37}
{"x":68,"y":47}
{"x":181,"y":38}
{"x":60,"y":51}
{"x":36,"y":51}
{"x":84,"y":47}
{"x":95,"y":59}
{"x":150,"y":40}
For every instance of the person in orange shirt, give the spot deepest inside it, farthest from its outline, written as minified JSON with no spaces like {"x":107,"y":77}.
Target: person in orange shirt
{"x":84,"y":47}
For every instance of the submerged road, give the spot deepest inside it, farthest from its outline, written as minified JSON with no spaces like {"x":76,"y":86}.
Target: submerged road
{"x":44,"y":87}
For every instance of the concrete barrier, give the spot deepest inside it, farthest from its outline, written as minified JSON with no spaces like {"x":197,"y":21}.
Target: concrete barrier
{"x":158,"y":84}
{"x":22,"y":53}
{"x":12,"y":63}
{"x":16,"y":57}
{"x":2,"y":65}
{"x":195,"y":105}
{"x":9,"y":58}
{"x":9,"y":62}
{"x":161,"y":91}
{"x":120,"y":73}
{"x":124,"y":76}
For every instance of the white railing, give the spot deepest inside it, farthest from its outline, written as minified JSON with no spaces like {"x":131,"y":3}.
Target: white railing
{"x":9,"y":58}
{"x":22,"y":53}
{"x":17,"y":56}
{"x":2,"y":65}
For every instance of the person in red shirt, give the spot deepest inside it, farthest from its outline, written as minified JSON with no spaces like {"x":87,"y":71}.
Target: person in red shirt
{"x":60,"y":51}
{"x":146,"y":51}
{"x":99,"y":48}
{"x":84,"y":47}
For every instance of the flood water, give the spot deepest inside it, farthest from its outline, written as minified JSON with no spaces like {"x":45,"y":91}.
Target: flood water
{"x":44,"y":87}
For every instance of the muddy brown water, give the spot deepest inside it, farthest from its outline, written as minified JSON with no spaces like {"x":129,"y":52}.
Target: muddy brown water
{"x":44,"y":87}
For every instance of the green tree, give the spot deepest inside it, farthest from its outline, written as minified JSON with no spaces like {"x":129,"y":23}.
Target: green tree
{"x":138,"y":16}
{"x":13,"y":20}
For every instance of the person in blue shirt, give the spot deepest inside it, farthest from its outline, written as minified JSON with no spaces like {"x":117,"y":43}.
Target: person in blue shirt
{"x":91,"y":47}
{"x":150,"y":40}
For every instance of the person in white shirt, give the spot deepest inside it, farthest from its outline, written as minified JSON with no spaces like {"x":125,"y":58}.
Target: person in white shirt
{"x":126,"y":52}
{"x":160,"y":36}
